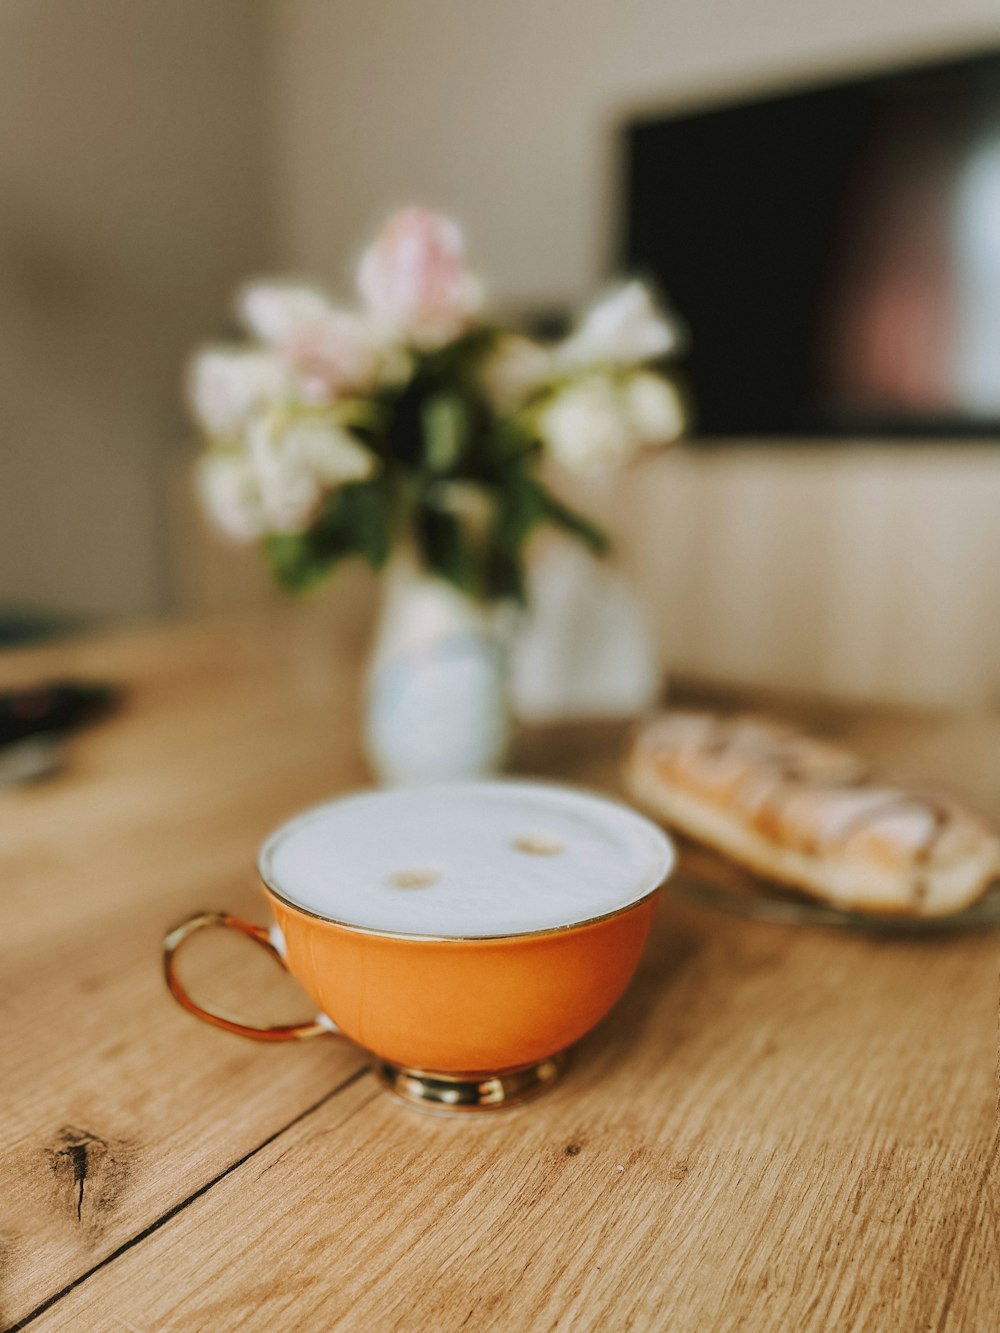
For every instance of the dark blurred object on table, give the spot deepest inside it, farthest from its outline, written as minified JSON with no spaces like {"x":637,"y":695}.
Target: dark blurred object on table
{"x":34,"y":720}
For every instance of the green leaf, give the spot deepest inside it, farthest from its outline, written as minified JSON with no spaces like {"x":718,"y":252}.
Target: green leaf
{"x":355,"y":521}
{"x":365,"y":518}
{"x":505,"y":576}
{"x":575,"y":524}
{"x":458,"y":360}
{"x":445,"y":420}
{"x":295,"y":562}
{"x":521,"y":506}
{"x":523,"y":503}
{"x":446,"y":550}
{"x":510,"y":440}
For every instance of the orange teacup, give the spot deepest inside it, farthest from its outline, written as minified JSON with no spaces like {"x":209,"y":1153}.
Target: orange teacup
{"x":491,"y":925}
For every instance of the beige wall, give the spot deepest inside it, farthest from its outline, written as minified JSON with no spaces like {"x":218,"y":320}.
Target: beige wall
{"x":870,"y":571}
{"x":132,"y":196}
{"x":502,"y":111}
{"x":865,"y":571}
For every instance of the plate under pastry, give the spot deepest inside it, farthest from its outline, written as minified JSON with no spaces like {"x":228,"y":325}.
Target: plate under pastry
{"x":709,"y":880}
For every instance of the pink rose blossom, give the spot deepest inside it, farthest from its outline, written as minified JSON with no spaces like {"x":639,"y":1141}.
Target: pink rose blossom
{"x":414,"y":279}
{"x":330,"y":352}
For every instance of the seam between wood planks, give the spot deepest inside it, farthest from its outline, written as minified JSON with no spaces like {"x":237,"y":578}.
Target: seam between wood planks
{"x":164,"y":1218}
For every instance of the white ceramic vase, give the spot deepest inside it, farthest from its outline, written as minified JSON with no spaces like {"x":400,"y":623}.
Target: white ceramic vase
{"x":584,"y":649}
{"x":437,"y":687}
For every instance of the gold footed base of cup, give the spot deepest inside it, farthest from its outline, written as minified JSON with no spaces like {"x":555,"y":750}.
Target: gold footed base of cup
{"x":462,"y":1094}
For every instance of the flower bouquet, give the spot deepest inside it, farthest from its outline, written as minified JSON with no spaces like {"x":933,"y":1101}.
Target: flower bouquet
{"x":411,"y":427}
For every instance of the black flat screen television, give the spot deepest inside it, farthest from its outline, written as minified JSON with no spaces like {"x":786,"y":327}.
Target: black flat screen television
{"x":834,"y":253}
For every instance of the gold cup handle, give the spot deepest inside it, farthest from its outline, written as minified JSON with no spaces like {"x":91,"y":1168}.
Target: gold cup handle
{"x":319,"y":1026}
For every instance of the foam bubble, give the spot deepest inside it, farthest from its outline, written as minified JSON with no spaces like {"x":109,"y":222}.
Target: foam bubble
{"x":466,"y":859}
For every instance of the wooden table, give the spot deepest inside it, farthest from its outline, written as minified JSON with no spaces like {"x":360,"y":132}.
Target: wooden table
{"x":778,"y":1128}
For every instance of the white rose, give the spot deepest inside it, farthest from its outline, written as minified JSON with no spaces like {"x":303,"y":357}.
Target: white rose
{"x":289,"y":493}
{"x":654,"y":407}
{"x":225,"y":386}
{"x":624,"y":329}
{"x":332,"y":453}
{"x":330,"y":351}
{"x":296,"y":464}
{"x":230,"y":495}
{"x":514,"y":369}
{"x":587,"y":426}
{"x":274,"y":312}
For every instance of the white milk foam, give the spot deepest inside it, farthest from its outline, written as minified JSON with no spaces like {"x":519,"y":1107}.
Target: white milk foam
{"x":466,"y":859}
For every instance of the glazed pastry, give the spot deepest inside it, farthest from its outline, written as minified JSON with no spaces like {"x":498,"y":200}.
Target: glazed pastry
{"x":810,"y":815}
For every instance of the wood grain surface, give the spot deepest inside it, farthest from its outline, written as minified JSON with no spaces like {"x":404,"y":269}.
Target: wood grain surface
{"x":777,"y":1128}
